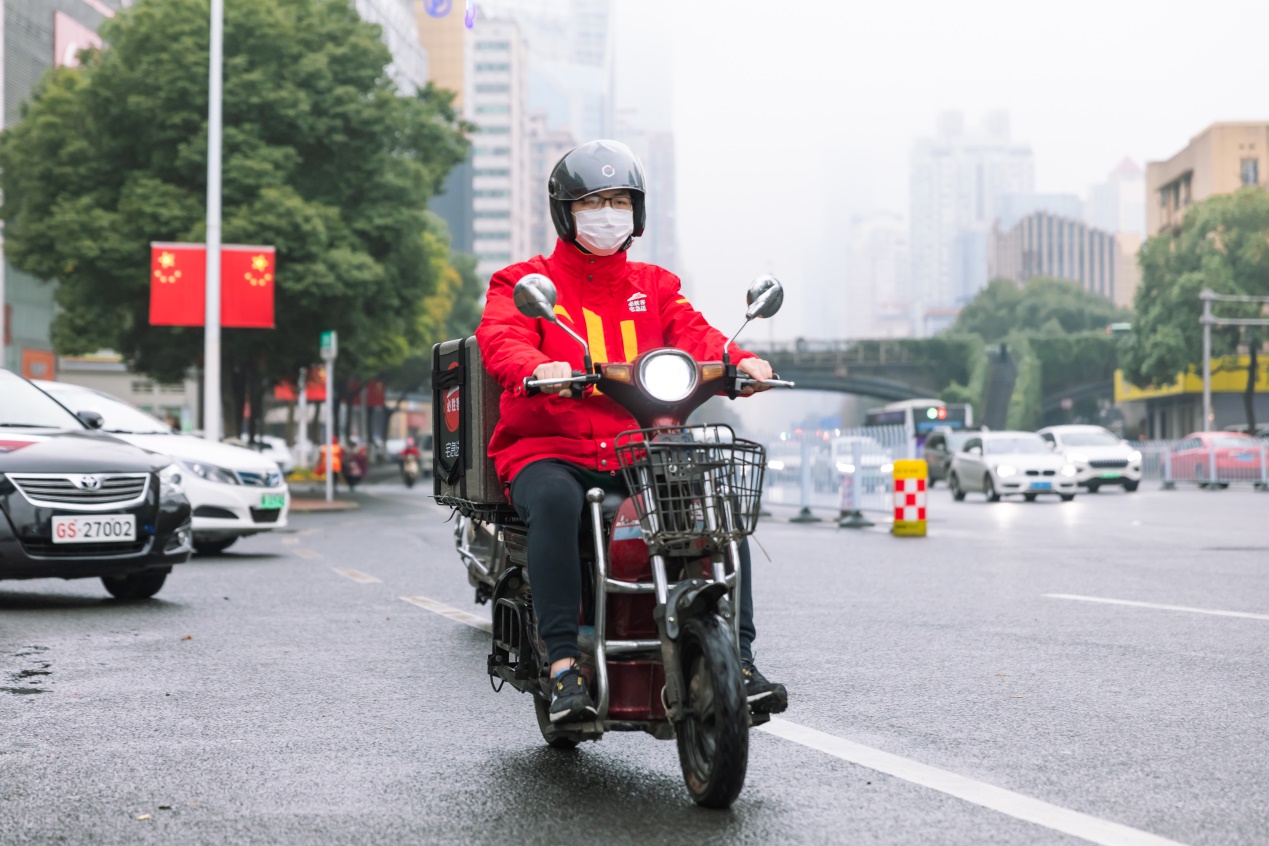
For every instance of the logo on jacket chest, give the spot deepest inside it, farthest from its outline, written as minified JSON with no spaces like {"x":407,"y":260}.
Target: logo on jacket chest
{"x":638,"y":302}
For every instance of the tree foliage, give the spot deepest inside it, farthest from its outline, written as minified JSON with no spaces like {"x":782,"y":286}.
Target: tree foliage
{"x":1223,"y":244}
{"x":323,"y":158}
{"x":1042,"y":304}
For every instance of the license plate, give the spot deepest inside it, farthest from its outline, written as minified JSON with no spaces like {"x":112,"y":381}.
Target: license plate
{"x":104,"y":528}
{"x":1041,"y":486}
{"x":1110,"y":475}
{"x":272,"y":501}
{"x":1244,"y":456}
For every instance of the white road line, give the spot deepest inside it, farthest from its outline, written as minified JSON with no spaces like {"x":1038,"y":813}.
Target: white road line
{"x":989,"y":796}
{"x":997,"y":799}
{"x":357,"y":576}
{"x":450,"y":613}
{"x":291,"y":541}
{"x":310,"y":554}
{"x":1155,"y":605}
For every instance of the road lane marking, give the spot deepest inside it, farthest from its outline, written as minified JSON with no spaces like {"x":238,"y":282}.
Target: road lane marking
{"x":310,"y":554}
{"x":998,"y":799}
{"x":449,"y":613}
{"x":291,"y":541}
{"x":1157,"y":606}
{"x":357,"y":576}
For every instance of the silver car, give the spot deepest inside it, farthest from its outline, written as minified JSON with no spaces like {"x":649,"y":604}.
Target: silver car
{"x":1006,"y":463}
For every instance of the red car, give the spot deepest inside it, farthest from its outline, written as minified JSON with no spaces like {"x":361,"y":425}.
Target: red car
{"x":1238,"y":458}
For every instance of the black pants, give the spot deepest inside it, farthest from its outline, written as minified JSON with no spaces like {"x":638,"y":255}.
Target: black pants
{"x":550,"y":497}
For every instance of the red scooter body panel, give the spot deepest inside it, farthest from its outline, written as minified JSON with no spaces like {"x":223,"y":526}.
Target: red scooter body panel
{"x":634,"y":690}
{"x":629,"y":615}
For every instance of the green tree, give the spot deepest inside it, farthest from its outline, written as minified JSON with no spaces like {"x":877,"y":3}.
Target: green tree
{"x":1223,"y":244}
{"x":1042,"y":304}
{"x":323,"y":158}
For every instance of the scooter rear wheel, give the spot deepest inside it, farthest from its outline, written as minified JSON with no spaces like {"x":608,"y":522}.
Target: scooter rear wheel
{"x":549,"y":733}
{"x":713,"y":739}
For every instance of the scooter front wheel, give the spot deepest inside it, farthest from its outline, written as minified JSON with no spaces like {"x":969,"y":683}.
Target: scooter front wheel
{"x":713,"y":738}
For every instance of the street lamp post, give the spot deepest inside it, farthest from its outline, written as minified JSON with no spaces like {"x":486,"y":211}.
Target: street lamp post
{"x":211,"y":337}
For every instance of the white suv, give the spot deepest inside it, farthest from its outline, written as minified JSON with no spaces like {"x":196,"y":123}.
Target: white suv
{"x":1099,"y":456}
{"x":234,"y":491}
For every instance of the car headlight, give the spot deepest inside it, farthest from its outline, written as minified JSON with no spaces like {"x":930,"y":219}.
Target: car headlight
{"x":669,"y":376}
{"x":170,"y":481}
{"x":1006,"y":470}
{"x":775,"y":464}
{"x":1069,"y":470}
{"x":1134,"y":456}
{"x":210,"y":472}
{"x":1078,"y":458}
{"x":844,"y":467}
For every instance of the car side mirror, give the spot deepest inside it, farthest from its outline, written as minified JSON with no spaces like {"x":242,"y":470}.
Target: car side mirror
{"x":91,"y":419}
{"x":975,"y":450}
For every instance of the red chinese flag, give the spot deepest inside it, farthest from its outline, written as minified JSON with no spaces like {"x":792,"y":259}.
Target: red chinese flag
{"x":375,"y":395}
{"x":246,"y":287}
{"x":178,"y":290}
{"x":315,"y":388}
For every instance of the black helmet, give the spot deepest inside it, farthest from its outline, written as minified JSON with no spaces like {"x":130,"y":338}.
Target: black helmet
{"x":595,"y":166}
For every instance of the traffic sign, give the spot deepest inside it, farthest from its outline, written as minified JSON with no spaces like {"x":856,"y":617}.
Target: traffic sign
{"x":330,"y":345}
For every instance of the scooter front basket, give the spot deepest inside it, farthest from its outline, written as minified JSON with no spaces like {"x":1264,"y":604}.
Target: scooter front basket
{"x":692,"y":482}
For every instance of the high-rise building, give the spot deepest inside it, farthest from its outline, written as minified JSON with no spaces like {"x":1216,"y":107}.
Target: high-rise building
{"x":1119,"y":203}
{"x":659,"y":243}
{"x":570,"y":61}
{"x":445,"y":38}
{"x":958,"y":178}
{"x":34,"y":37}
{"x":401,"y":36}
{"x":1219,"y":160}
{"x":546,"y":147}
{"x":878,"y":268}
{"x":1044,"y":244}
{"x":1012,"y":208}
{"x":496,"y":102}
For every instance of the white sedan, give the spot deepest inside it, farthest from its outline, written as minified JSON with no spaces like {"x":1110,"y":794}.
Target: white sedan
{"x":1007,"y":463}
{"x":234,"y":491}
{"x":1099,"y":456}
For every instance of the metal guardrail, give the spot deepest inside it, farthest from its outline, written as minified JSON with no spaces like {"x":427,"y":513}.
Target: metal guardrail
{"x":807,"y":471}
{"x":1181,"y":462}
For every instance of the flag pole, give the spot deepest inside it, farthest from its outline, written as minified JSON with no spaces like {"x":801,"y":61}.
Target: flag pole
{"x":211,"y":338}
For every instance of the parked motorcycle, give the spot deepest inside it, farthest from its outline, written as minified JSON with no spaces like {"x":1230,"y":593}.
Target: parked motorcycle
{"x":660,"y":624}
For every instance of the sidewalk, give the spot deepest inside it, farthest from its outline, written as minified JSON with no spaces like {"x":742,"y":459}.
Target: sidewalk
{"x":311,"y":496}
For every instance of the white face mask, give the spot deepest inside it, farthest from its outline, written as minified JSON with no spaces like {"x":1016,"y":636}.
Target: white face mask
{"x":603,"y":231}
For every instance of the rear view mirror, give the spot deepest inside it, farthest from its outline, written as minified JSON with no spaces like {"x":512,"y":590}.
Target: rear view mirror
{"x":91,"y":419}
{"x":535,"y":297}
{"x":765,"y":296}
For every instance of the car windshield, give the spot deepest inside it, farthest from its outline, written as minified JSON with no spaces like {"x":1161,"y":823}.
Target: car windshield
{"x":956,"y":440}
{"x":117,"y":415}
{"x":1089,"y":438}
{"x":1224,"y":441}
{"x":1013,"y":446}
{"x":23,"y":406}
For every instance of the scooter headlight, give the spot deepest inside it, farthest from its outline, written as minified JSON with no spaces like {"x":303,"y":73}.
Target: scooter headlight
{"x":668,"y":376}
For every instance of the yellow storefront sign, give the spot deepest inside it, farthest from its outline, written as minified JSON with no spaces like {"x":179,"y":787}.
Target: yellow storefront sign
{"x":1229,"y":376}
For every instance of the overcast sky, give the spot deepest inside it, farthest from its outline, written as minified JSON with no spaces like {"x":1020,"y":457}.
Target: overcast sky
{"x":790,"y":117}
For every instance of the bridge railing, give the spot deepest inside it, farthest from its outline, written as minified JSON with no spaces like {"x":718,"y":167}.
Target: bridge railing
{"x":845,"y":352}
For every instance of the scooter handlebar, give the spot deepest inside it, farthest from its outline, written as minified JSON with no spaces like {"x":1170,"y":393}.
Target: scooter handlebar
{"x":579,"y":378}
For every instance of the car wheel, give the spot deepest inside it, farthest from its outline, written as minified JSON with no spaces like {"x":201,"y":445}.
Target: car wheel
{"x":1130,"y":487}
{"x":213,"y":547}
{"x":932,"y":482}
{"x":1067,"y":497}
{"x":1029,"y":497}
{"x":989,"y":488}
{"x":954,"y":485}
{"x":135,"y":585}
{"x":1093,"y":487}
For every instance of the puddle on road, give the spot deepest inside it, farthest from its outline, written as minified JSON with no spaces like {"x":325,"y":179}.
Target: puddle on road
{"x":30,"y":675}
{"x":23,"y":690}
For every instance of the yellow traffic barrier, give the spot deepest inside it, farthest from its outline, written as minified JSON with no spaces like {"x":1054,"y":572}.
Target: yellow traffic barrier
{"x":910,"y":477}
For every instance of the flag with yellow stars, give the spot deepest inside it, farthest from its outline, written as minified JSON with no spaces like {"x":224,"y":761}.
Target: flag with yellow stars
{"x":178,"y":275}
{"x":246,"y":286}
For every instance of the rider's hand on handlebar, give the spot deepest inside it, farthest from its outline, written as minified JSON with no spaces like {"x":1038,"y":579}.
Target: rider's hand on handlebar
{"x":555,"y":370}
{"x":755,"y":368}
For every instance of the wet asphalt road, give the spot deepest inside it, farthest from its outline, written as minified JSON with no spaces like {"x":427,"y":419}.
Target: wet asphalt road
{"x":263,"y":697}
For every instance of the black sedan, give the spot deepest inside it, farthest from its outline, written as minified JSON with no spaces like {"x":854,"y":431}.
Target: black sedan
{"x":80,"y":504}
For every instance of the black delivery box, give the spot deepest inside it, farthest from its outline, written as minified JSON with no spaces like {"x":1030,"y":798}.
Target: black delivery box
{"x":464,"y":412}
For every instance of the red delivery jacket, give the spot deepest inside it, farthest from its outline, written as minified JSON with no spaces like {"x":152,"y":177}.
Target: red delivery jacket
{"x":621,"y":308}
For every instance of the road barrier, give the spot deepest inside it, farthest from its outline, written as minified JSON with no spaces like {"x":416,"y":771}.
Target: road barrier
{"x":851,"y":517}
{"x":910,"y":479}
{"x":828,"y":456}
{"x":1189,"y":462}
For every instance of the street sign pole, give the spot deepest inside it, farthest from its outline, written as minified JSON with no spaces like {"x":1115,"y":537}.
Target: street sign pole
{"x":301,"y":441}
{"x":330,"y":349}
{"x":1207,"y":296}
{"x":211,"y":337}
